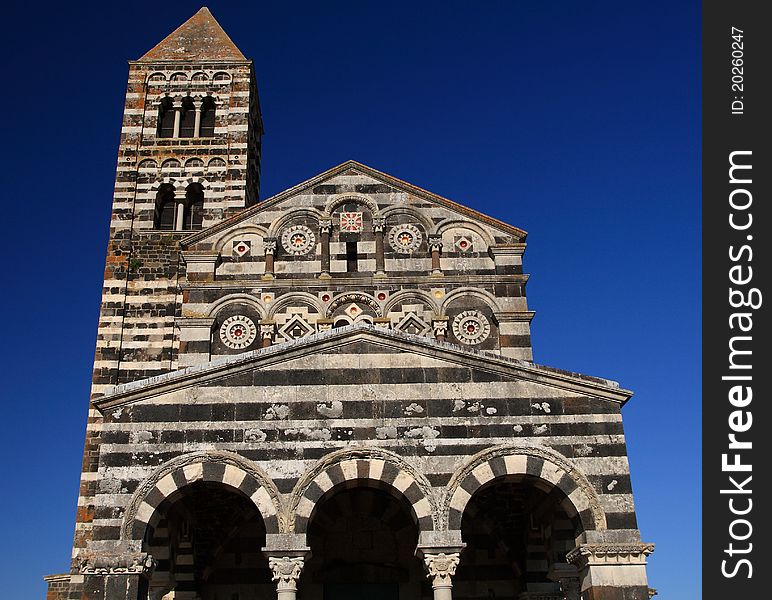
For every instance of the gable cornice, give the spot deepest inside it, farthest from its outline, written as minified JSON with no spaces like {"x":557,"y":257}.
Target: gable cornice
{"x":365,"y":170}
{"x":480,"y":359}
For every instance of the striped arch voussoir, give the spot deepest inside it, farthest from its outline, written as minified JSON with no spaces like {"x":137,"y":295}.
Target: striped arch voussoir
{"x":352,"y":467}
{"x":218,"y":467}
{"x":548,"y":466}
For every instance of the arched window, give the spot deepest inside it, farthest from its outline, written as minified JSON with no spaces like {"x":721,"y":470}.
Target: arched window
{"x":207,"y":117}
{"x":194,"y":206}
{"x":188,"y":118}
{"x":173,"y":214}
{"x":166,"y":118}
{"x":166,"y":208}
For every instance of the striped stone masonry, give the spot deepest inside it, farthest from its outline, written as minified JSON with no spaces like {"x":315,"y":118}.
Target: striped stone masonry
{"x":354,"y":343}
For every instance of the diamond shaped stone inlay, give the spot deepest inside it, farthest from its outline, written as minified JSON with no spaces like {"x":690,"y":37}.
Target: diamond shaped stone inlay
{"x":241,"y":247}
{"x":353,"y":310}
{"x":464,"y":244}
{"x":296,"y":328}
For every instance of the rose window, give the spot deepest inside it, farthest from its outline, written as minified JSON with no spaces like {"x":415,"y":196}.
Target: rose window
{"x":471,"y":327}
{"x":298,"y":240}
{"x":238,"y":332}
{"x":405,"y":238}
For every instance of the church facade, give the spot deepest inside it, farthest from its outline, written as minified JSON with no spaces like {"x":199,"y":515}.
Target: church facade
{"x":329,"y":393}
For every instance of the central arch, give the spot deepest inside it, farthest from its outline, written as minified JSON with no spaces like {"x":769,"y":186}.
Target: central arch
{"x":372,"y":467}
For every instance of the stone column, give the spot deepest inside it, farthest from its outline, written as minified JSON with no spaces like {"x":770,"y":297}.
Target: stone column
{"x":440,"y":328}
{"x":286,"y":572}
{"x":197,"y":126}
{"x":612,"y":571}
{"x":177,"y":106}
{"x":378,"y":225}
{"x":269,"y":246}
{"x":325,"y":227}
{"x":179,"y":217}
{"x":441,"y":569}
{"x":435,"y":246}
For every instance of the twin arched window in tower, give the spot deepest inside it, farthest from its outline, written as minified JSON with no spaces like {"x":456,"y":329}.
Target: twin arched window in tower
{"x":179,"y":213}
{"x":186,"y":118}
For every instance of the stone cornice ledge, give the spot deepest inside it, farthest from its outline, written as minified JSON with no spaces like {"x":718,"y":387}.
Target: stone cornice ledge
{"x":609,"y":554}
{"x":481,"y":359}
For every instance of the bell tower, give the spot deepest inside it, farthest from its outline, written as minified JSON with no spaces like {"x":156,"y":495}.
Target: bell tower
{"x":192,"y":129}
{"x":188,"y":158}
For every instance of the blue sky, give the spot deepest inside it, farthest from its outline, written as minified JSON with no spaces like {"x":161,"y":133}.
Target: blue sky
{"x":578,"y":122}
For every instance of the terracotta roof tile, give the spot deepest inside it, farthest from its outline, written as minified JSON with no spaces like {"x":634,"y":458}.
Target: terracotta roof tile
{"x":199,"y":38}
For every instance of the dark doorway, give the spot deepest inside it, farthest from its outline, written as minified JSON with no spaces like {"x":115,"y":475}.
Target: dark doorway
{"x":363,"y":543}
{"x":208,"y":545}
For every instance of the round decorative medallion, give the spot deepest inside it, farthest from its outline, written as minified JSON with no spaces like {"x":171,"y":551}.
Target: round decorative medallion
{"x":405,"y":238}
{"x":298,"y":239}
{"x":471,"y":327}
{"x":238,"y":332}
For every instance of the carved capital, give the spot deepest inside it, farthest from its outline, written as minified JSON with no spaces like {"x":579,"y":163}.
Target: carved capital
{"x":286,"y":571}
{"x":325,"y":226}
{"x":440,"y":326}
{"x":378,"y":224}
{"x":269,"y":245}
{"x":268,"y":330}
{"x":441,"y":568}
{"x":118,"y":564}
{"x":435,"y":242}
{"x":609,"y":554}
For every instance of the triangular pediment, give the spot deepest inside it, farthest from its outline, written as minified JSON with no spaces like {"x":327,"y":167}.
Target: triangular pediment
{"x":368,"y":181}
{"x":200,"y":38}
{"x":408,"y":352}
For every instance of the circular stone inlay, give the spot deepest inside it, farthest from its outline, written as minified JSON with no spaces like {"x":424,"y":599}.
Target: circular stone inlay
{"x":471,"y":327}
{"x":298,"y":240}
{"x":238,"y":332}
{"x":405,"y":238}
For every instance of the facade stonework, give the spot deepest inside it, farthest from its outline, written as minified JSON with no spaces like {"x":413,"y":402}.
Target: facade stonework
{"x":326,"y":393}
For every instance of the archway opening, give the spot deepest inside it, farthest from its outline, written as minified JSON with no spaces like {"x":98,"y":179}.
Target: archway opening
{"x":517,"y":532}
{"x":363,"y":543}
{"x":208,"y":546}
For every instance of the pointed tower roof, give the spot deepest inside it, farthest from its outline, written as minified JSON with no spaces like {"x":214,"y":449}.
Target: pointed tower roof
{"x":199,"y":38}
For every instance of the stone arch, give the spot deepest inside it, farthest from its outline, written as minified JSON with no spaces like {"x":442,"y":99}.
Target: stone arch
{"x":406,"y":295}
{"x":354,"y":297}
{"x":230,"y":234}
{"x":481,"y":231}
{"x":409,"y":210}
{"x":336,"y":201}
{"x":483,"y":295}
{"x":156,"y":77}
{"x":226,"y":468}
{"x":274,"y":229}
{"x":180,"y":184}
{"x":303,"y":297}
{"x":220,"y":304}
{"x":374,"y":465}
{"x":545,"y":464}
